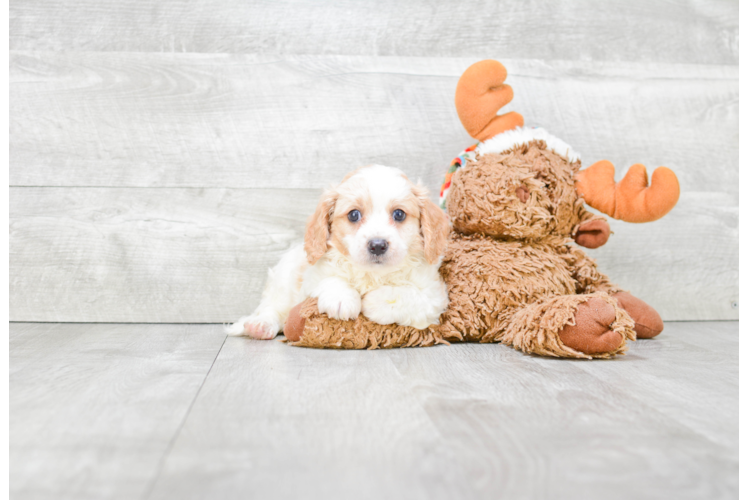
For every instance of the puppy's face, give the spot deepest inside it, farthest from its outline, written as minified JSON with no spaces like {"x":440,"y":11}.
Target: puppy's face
{"x":377,"y":218}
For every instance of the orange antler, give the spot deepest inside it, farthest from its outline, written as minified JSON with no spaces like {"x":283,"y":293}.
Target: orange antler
{"x":629,"y":200}
{"x":480,"y":94}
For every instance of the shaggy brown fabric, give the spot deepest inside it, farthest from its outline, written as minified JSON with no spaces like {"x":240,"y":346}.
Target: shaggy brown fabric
{"x":483,"y":196}
{"x":513,"y":273}
{"x":321,"y":331}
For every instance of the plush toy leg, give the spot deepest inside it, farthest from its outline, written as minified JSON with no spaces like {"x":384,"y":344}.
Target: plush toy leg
{"x":306,"y":327}
{"x":465,"y":322}
{"x":647,"y":321}
{"x":571,"y":326}
{"x":588,"y":276}
{"x":294,"y":327}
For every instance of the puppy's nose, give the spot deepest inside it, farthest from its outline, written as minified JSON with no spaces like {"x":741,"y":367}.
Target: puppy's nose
{"x":377,"y":247}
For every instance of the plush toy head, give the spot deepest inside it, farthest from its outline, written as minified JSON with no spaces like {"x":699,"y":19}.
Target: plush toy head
{"x":525,"y":184}
{"x":526,"y":194}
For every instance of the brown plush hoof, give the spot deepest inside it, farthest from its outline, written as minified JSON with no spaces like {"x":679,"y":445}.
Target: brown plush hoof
{"x":647,"y":321}
{"x":294,"y":326}
{"x":592,"y":334}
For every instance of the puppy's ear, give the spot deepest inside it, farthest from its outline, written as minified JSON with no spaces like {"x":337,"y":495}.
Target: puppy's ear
{"x":434,"y":226}
{"x":318,"y":227}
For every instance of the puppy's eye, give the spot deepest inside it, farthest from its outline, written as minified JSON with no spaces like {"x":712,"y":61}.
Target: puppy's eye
{"x":354,"y":216}
{"x":398,"y":215}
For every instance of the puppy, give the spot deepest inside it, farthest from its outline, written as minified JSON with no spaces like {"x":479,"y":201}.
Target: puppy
{"x":373,"y":245}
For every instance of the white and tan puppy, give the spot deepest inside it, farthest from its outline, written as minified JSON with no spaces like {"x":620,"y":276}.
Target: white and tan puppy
{"x":374,"y":245}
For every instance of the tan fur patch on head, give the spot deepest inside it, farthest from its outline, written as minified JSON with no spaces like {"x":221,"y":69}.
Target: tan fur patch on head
{"x":435,"y":225}
{"x":352,"y":195}
{"x":408,"y":205}
{"x":318,"y":227}
{"x":340,"y":230}
{"x":353,"y":173}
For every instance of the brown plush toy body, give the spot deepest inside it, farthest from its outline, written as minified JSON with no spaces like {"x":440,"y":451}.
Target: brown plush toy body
{"x":514,"y":274}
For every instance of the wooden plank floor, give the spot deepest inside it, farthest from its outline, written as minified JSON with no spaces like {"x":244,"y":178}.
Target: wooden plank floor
{"x":179,"y":411}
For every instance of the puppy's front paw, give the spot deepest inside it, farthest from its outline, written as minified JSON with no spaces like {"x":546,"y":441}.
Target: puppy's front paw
{"x":386,"y":306}
{"x":256,"y":326}
{"x":390,"y":305}
{"x":340,"y":303}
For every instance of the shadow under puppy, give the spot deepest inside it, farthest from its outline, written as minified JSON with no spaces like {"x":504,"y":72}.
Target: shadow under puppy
{"x":374,"y":245}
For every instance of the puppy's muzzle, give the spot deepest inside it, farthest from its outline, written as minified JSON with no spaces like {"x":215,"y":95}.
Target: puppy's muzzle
{"x":377,"y":247}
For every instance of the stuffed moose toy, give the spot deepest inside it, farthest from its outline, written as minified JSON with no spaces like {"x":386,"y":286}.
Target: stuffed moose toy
{"x":516,"y":201}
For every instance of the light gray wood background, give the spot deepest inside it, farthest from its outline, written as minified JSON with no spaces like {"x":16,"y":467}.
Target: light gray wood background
{"x":179,"y":411}
{"x":164,"y":154}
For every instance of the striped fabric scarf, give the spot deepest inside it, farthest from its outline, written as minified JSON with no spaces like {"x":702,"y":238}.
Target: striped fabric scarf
{"x":462,"y":158}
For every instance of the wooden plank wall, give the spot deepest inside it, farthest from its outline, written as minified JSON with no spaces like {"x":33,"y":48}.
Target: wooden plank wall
{"x":164,"y":154}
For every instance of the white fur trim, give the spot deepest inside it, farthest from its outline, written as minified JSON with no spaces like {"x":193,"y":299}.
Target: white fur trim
{"x":524,"y":135}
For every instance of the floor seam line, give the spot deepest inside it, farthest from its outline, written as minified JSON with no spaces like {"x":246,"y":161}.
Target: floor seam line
{"x":173,"y":440}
